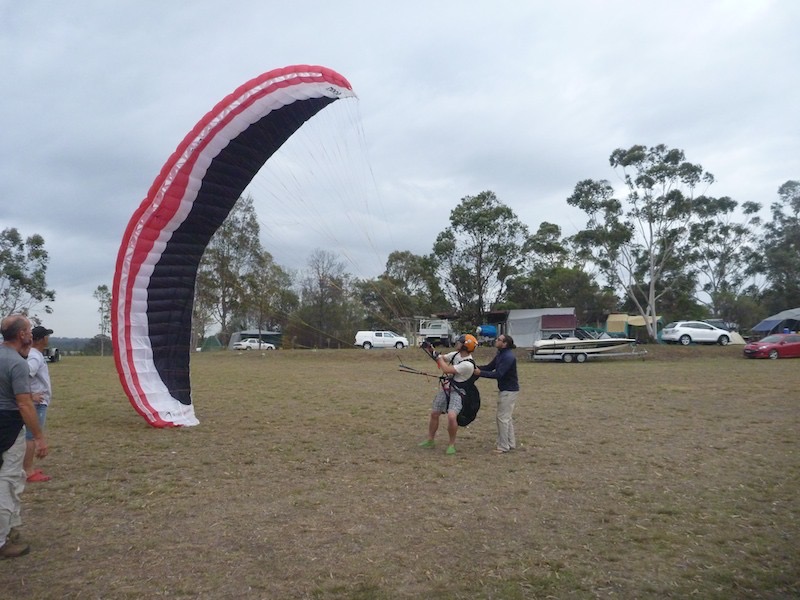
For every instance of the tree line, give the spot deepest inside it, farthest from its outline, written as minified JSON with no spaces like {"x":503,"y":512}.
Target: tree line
{"x":657,"y":243}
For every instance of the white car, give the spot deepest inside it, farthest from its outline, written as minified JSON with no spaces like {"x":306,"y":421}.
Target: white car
{"x":380,"y":339}
{"x":698,"y":332}
{"x":252,"y":344}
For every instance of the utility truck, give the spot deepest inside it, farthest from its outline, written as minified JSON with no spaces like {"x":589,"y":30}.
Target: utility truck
{"x":438,"y":332}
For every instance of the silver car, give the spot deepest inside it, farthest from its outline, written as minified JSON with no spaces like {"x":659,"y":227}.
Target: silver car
{"x":698,"y":332}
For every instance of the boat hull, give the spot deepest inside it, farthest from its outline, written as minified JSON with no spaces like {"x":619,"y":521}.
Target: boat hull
{"x":578,"y":350}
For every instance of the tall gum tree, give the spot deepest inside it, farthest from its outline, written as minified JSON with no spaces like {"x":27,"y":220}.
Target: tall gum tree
{"x":781,"y":255}
{"x":723,"y":250}
{"x":267,"y":299}
{"x":325,"y":314}
{"x":636,"y":240}
{"x":416,"y":275}
{"x":553,"y":278}
{"x":220,"y":286}
{"x":23,"y":273}
{"x":478,"y":252}
{"x":103,"y":296}
{"x":407,"y":287}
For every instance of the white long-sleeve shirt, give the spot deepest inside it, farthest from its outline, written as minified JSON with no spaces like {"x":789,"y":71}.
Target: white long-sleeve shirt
{"x":40,"y":375}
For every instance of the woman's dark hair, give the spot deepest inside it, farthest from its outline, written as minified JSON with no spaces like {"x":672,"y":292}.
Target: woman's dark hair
{"x":509,"y":341}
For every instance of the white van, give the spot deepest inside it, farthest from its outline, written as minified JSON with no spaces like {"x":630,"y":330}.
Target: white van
{"x":380,"y":339}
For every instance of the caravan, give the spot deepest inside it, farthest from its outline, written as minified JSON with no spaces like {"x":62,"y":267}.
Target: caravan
{"x":527,"y":326}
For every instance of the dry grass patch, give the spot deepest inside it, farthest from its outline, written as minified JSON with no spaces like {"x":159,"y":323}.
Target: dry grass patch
{"x":668,"y":477}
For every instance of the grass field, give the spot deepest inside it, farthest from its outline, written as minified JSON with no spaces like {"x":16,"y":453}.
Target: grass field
{"x":671,"y":477}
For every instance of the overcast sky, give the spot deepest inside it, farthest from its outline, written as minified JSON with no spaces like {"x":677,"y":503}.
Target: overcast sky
{"x":521,"y":98}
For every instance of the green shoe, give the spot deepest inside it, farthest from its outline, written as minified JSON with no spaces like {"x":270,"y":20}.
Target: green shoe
{"x":427,"y":444}
{"x":451,"y":450}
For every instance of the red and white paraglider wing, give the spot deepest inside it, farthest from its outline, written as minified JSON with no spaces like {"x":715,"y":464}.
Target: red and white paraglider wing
{"x":157,"y":263}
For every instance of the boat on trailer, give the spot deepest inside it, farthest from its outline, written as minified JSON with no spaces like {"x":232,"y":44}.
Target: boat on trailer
{"x":579,"y":349}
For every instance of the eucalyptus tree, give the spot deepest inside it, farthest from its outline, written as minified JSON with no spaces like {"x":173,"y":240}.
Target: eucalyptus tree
{"x":268,"y":298}
{"x":23,"y":273}
{"x":327,"y":312}
{"x":416,"y":274}
{"x":724,"y":250}
{"x":561,"y":286}
{"x":202,"y":309}
{"x":553,"y":277}
{"x":781,"y":249}
{"x":637,"y":239}
{"x":385,"y":302}
{"x":230,"y":255}
{"x":103,"y":296}
{"x":407,"y":288}
{"x":546,"y":247}
{"x":478,"y":252}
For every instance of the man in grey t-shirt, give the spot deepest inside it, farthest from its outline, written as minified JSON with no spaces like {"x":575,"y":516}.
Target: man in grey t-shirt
{"x":16,"y":410}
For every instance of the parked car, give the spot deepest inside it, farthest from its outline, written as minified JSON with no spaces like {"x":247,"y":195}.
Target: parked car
{"x":380,"y":339}
{"x":698,"y":332}
{"x":252,"y":344}
{"x":777,"y":345}
{"x":720,"y":323}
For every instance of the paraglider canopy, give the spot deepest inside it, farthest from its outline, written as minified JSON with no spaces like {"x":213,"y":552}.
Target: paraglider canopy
{"x":157,"y":263}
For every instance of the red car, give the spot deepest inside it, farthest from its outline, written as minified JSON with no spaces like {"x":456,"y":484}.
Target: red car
{"x":777,"y":345}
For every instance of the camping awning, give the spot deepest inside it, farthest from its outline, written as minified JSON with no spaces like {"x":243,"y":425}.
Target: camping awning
{"x":767,"y":325}
{"x":638,"y":320}
{"x":788,"y":318}
{"x":617,"y":322}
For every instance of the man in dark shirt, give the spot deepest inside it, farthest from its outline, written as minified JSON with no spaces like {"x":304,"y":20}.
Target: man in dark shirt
{"x":503,"y":368}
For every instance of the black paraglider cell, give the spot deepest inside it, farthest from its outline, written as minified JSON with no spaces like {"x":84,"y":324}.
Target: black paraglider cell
{"x":171,"y":290}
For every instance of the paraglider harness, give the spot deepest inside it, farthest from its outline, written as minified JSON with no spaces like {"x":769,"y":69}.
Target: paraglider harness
{"x":470,"y":395}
